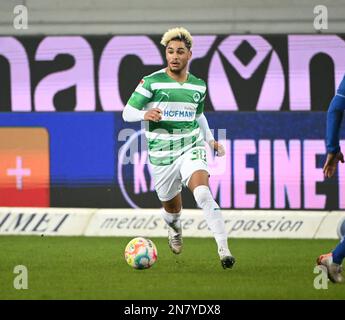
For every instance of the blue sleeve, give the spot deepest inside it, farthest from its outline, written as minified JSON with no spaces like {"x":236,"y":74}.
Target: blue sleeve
{"x":334,"y":118}
{"x":341,"y":88}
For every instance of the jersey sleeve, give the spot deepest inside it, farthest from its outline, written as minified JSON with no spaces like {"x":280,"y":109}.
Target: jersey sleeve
{"x":205,"y":129}
{"x":142,"y":95}
{"x":334,"y":119}
{"x":201,"y":105}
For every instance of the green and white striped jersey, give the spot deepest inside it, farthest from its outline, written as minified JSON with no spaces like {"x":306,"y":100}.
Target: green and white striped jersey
{"x":178,"y":131}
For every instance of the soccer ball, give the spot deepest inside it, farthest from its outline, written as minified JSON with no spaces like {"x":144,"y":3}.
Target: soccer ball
{"x":141,"y":253}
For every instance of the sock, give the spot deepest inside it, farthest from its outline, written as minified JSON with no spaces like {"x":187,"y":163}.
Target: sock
{"x":339,"y":252}
{"x":172,"y":219}
{"x":213,"y":215}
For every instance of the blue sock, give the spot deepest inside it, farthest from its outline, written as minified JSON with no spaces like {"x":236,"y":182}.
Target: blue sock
{"x":339,"y":252}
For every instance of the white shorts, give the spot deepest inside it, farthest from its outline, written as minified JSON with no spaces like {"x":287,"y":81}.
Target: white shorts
{"x":169,"y":179}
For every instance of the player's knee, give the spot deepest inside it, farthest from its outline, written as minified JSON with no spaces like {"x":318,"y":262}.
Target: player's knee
{"x":172,"y":208}
{"x":202,"y":195}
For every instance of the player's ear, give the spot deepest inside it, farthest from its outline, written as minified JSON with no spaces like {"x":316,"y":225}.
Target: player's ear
{"x":189,"y":54}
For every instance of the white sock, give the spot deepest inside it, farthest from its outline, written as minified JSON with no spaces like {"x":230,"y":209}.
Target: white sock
{"x":172,"y":219}
{"x":213,"y":215}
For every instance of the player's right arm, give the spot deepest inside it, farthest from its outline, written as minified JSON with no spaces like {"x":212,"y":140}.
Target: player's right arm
{"x":334,"y":119}
{"x":133,"y":110}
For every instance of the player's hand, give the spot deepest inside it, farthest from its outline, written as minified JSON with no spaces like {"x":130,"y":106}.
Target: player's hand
{"x":331,"y":163}
{"x":215,"y":145}
{"x":154,"y":114}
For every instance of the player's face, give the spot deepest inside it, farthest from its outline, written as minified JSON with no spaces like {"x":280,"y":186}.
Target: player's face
{"x":177,"y":55}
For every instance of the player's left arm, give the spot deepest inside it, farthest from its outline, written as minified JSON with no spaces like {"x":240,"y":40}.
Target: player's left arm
{"x":208,"y":136}
{"x":205,"y":129}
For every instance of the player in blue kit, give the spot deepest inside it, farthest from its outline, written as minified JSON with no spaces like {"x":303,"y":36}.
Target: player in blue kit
{"x":333,"y":260}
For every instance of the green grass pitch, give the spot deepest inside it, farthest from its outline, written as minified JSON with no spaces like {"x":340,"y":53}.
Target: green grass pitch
{"x":94,"y":268}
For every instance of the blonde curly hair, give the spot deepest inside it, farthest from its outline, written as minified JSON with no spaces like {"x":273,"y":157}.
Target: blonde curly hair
{"x":178,"y":33}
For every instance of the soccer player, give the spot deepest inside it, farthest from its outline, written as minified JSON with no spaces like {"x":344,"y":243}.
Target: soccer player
{"x":171,"y":102}
{"x":332,"y":261}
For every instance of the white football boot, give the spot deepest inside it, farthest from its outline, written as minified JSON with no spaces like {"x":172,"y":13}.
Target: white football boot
{"x":175,"y":237}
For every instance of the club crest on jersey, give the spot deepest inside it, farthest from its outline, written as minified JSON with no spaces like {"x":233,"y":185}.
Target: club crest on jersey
{"x":196,"y":96}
